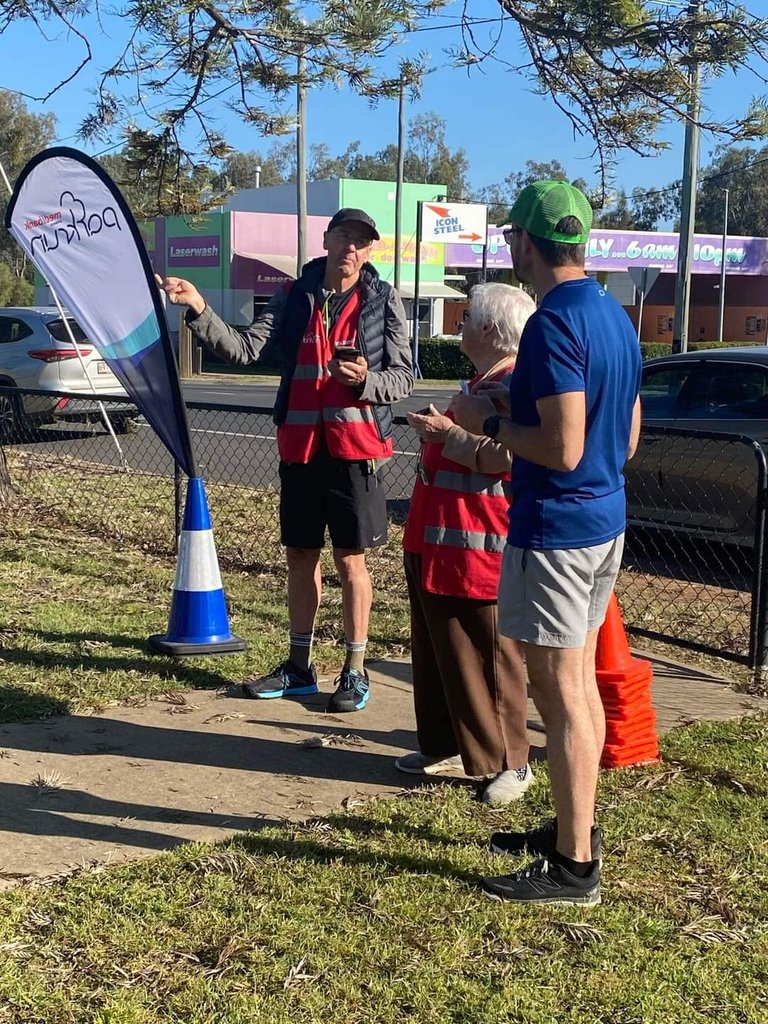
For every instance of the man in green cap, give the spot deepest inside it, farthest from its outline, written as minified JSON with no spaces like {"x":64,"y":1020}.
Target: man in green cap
{"x":571,"y":418}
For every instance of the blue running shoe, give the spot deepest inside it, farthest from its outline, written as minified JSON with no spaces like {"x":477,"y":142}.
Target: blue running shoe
{"x":285,"y":680}
{"x":352,"y":691}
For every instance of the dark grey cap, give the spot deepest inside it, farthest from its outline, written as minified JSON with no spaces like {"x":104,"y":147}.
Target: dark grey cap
{"x":350,"y":215}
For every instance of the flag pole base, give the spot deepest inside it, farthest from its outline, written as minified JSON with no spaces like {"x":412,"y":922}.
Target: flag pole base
{"x":179,"y":649}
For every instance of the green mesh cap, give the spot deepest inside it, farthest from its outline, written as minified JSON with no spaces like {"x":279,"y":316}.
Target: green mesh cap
{"x":543,"y":204}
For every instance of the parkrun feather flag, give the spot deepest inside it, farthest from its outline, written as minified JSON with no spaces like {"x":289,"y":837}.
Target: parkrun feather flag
{"x":75,"y":226}
{"x":73,"y":223}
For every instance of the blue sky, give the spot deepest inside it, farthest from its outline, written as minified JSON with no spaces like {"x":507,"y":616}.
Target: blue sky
{"x":492,"y":113}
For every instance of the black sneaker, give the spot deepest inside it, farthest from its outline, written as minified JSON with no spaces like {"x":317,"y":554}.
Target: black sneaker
{"x":545,"y":882}
{"x":352,"y":691}
{"x":285,"y":680}
{"x":539,"y":841}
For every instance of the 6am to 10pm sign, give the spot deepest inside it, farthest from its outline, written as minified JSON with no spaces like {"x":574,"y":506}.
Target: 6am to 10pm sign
{"x":461,"y":223}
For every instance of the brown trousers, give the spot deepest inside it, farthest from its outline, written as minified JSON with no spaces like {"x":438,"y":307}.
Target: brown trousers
{"x":469,"y":682}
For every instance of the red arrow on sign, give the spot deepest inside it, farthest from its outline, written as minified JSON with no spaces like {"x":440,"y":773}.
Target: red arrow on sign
{"x":439,"y":210}
{"x":472,"y":238}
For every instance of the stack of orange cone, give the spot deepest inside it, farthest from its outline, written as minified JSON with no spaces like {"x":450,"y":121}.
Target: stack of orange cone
{"x":625,"y":689}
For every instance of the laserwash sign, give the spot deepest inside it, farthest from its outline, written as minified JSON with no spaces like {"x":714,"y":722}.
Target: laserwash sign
{"x":461,"y":223}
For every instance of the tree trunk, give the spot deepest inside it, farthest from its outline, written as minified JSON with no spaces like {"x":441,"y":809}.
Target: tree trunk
{"x":7,"y":490}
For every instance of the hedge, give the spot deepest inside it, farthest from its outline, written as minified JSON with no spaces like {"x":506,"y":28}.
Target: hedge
{"x":443,"y":360}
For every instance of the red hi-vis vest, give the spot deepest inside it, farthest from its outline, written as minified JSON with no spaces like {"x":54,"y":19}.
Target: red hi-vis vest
{"x":318,"y":404}
{"x":458,"y":522}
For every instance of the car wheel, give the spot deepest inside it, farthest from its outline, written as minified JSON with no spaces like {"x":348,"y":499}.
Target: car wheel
{"x":14,"y":425}
{"x":125,"y":424}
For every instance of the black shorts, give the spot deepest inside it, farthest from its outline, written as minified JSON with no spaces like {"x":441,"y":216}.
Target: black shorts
{"x":343,"y":495}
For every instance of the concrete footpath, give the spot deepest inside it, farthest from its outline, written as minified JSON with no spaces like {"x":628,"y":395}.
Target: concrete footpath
{"x":201,"y":765}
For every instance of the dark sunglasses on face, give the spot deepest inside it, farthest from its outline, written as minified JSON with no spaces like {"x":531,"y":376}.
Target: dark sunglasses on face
{"x":510,"y":233}
{"x":360,"y":240}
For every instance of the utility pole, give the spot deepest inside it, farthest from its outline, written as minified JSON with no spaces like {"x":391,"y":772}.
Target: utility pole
{"x":721,"y":321}
{"x":399,"y":182}
{"x":688,"y":198}
{"x":416,"y":281}
{"x":301,"y":166}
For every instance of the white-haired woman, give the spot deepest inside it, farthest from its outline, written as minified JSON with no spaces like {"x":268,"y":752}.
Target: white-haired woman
{"x":469,"y":682}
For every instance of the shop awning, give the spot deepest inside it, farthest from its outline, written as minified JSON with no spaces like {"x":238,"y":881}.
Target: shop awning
{"x":432,"y":290}
{"x":283,"y":266}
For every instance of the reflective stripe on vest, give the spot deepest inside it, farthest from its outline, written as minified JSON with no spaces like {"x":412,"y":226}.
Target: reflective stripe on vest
{"x":470,"y":483}
{"x":467,"y":540}
{"x":301,"y":417}
{"x":305,"y":372}
{"x":348,"y":414}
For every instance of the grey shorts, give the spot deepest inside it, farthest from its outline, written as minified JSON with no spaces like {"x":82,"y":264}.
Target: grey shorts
{"x":554,"y":598}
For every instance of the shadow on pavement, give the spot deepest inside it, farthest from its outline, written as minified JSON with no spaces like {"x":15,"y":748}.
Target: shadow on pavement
{"x":29,"y":810}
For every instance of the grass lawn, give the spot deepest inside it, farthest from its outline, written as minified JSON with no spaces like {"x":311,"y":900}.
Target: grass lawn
{"x":76,"y":612}
{"x":373,"y":916}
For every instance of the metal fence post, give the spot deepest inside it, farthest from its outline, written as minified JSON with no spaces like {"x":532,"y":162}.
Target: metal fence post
{"x":178,"y":477}
{"x":758,"y":638}
{"x":186,"y":343}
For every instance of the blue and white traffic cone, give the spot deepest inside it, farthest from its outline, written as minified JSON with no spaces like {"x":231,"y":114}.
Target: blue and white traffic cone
{"x":198,"y":622}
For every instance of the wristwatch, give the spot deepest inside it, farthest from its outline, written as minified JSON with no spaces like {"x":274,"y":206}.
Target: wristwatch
{"x":491,"y":426}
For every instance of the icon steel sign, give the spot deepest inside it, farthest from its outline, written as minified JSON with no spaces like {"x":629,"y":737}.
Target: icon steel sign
{"x":465,"y":223}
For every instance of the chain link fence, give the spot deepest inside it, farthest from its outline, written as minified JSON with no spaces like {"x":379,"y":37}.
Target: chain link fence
{"x":694,"y":564}
{"x":694,"y":568}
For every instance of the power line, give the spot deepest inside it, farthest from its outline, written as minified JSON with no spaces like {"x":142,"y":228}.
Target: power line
{"x":675,"y":187}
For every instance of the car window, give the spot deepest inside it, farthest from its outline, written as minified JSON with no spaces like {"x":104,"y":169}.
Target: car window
{"x":723,"y":391}
{"x":659,"y":390}
{"x":13,"y":329}
{"x":58,"y":330}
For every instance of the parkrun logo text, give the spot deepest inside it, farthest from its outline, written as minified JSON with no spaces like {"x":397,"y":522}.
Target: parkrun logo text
{"x":73,"y":224}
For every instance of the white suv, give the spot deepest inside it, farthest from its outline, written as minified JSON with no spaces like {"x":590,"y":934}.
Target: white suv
{"x":36,"y":353}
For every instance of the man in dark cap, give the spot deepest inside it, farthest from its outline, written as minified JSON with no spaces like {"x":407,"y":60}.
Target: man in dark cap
{"x":571,"y":419}
{"x":343,"y":339}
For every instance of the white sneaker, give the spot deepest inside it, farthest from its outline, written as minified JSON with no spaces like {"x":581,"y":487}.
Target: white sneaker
{"x":419,"y":764}
{"x":507,"y":787}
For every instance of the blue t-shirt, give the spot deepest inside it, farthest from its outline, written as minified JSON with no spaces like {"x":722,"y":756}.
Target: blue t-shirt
{"x":580,"y":339}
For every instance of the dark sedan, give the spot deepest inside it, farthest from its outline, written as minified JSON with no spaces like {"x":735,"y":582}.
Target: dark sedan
{"x":698,"y":485}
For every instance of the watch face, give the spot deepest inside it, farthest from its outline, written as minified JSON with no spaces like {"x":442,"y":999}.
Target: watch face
{"x":491,"y":426}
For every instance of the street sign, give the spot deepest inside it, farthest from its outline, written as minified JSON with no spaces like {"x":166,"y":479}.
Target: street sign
{"x":644,"y":278}
{"x":465,"y":223}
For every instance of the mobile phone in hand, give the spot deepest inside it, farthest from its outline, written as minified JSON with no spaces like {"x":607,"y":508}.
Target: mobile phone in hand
{"x":346,"y":352}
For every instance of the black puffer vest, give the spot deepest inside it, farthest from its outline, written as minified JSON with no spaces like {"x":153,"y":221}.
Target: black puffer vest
{"x":370,"y":332}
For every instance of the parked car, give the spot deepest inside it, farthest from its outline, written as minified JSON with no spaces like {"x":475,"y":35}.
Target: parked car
{"x":698,"y":486}
{"x":36,"y":352}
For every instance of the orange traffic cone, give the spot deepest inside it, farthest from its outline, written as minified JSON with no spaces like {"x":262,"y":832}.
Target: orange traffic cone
{"x":624,"y":683}
{"x":613,"y":654}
